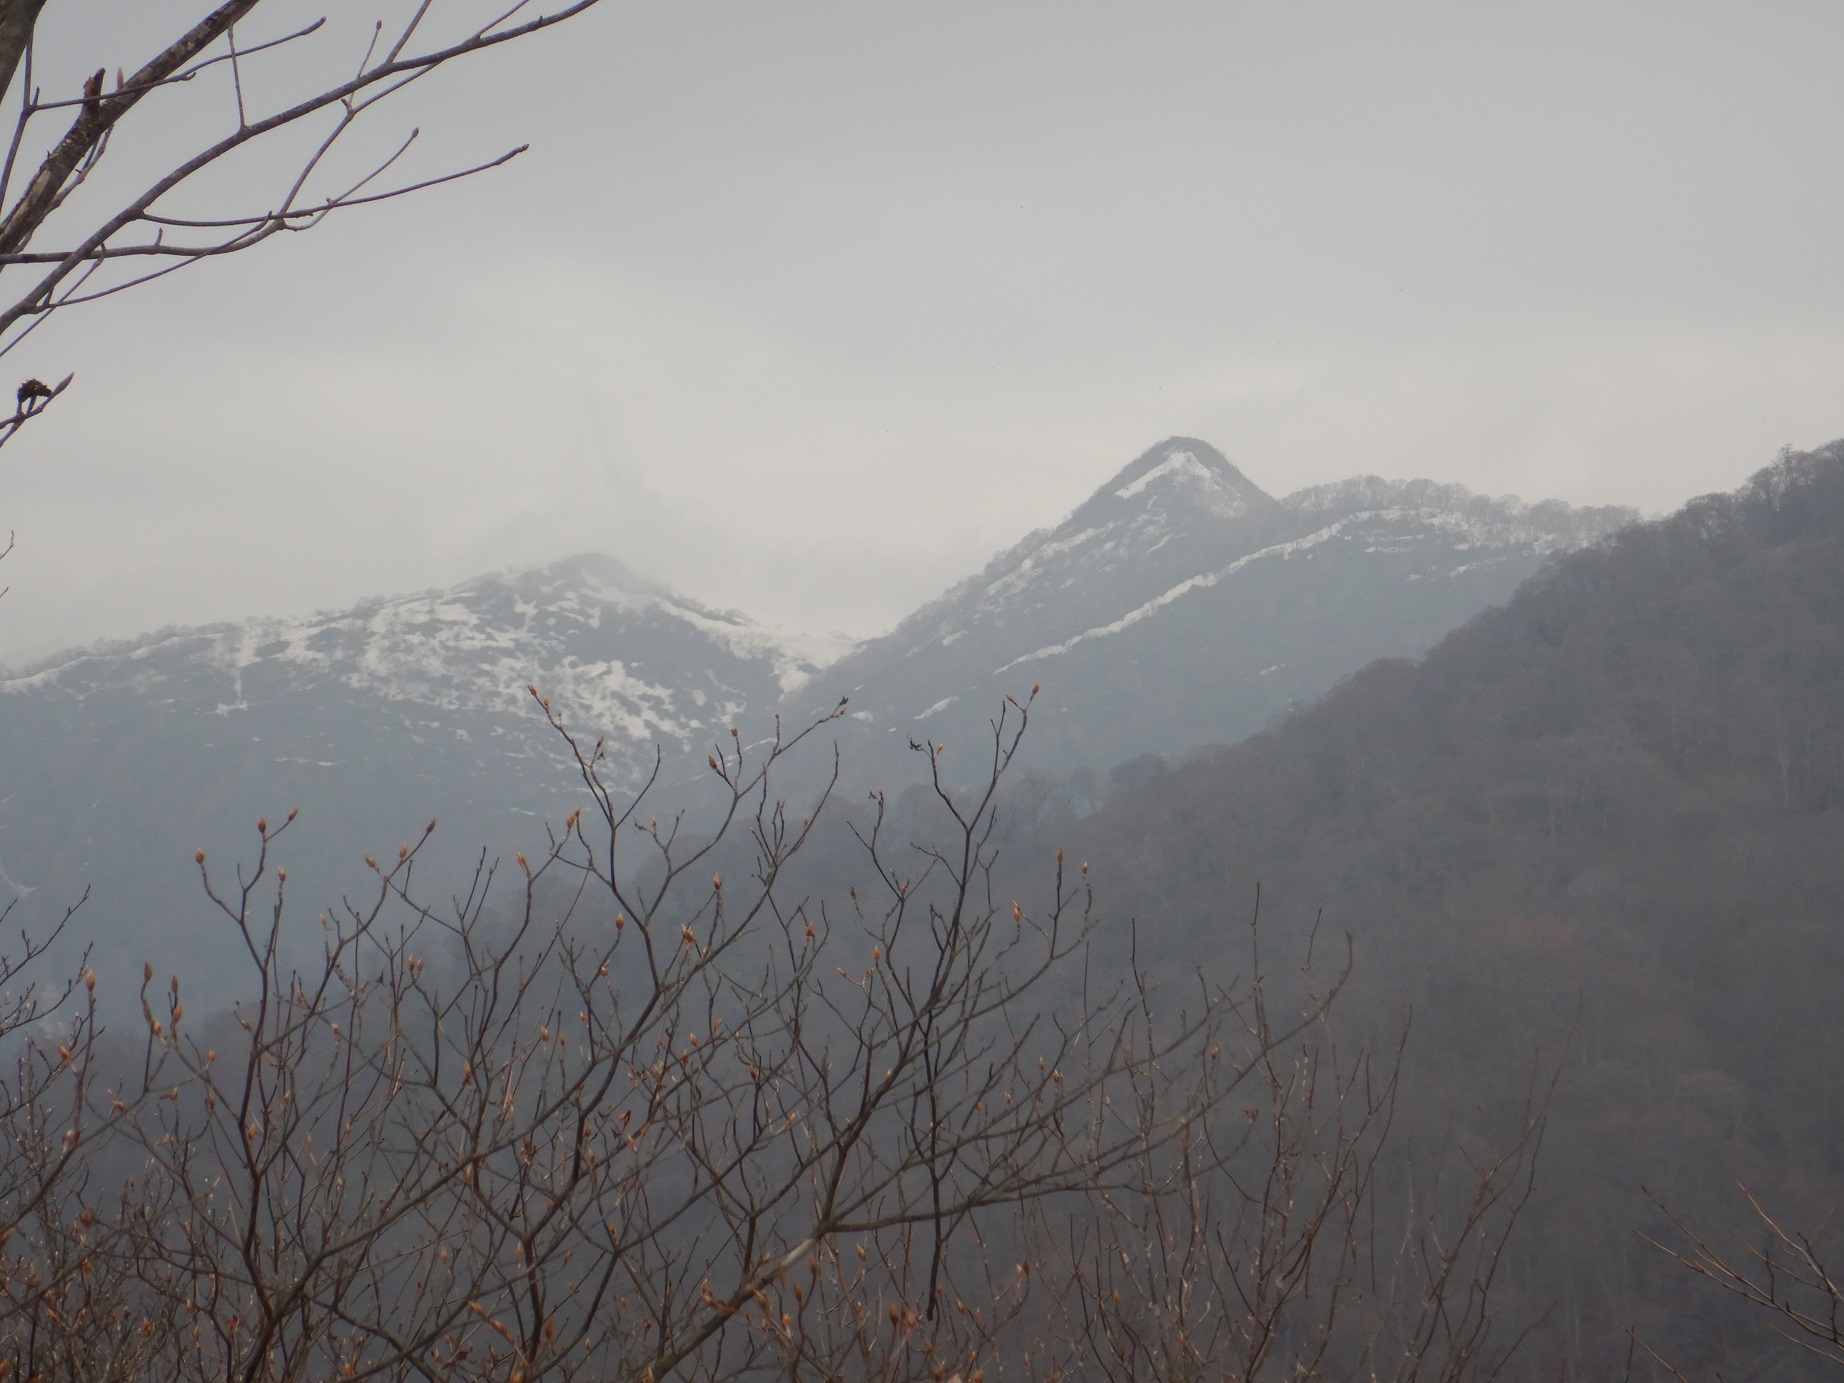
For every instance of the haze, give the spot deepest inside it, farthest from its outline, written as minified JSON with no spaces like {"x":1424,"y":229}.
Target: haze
{"x":808,"y":308}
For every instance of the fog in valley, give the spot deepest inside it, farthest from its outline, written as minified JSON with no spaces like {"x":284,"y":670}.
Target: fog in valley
{"x":728,"y":692}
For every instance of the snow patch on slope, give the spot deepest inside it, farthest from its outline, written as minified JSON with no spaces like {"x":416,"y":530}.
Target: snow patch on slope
{"x":1547,"y":526}
{"x":477,"y":647}
{"x":1186,"y":474}
{"x":1467,"y":522}
{"x":1195,"y":583}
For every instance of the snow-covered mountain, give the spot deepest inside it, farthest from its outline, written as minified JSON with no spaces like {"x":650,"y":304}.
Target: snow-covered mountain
{"x":118,"y":762}
{"x":1180,"y":605}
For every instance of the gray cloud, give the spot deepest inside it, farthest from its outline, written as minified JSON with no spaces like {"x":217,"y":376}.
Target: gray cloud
{"x":806,"y":308}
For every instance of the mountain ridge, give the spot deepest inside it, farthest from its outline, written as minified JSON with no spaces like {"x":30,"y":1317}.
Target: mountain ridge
{"x":1075,"y":603}
{"x":127,"y":757}
{"x":1175,"y":605}
{"x":797,"y":656}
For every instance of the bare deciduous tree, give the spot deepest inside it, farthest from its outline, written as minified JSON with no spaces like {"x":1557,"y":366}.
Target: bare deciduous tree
{"x":1784,"y":1275}
{"x":642,"y":1120}
{"x":1279,"y":1233}
{"x":64,"y":242}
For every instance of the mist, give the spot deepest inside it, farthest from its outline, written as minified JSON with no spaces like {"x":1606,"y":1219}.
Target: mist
{"x":810,"y":310}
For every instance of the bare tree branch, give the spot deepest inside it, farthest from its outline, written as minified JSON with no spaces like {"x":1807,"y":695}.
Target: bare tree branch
{"x":105,"y":235}
{"x":17,"y":21}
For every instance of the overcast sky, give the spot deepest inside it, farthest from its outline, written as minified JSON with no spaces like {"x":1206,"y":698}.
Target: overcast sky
{"x":807,"y":308}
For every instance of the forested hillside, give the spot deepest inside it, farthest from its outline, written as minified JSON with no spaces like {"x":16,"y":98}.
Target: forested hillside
{"x":1611,"y":815}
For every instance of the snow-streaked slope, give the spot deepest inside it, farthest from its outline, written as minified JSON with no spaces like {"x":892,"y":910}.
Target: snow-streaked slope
{"x":573,"y":626}
{"x":1181,"y":605}
{"x":121,"y":760}
{"x":1178,"y":605}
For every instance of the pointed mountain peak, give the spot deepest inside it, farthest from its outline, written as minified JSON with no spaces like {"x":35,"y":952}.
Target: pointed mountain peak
{"x":1179,"y":476}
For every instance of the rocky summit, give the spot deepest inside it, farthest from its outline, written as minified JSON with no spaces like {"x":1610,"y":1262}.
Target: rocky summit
{"x":1180,"y":605}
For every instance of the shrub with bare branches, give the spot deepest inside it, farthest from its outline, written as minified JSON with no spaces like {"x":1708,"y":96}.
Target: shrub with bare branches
{"x":1785,"y":1274}
{"x":645,"y":1120}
